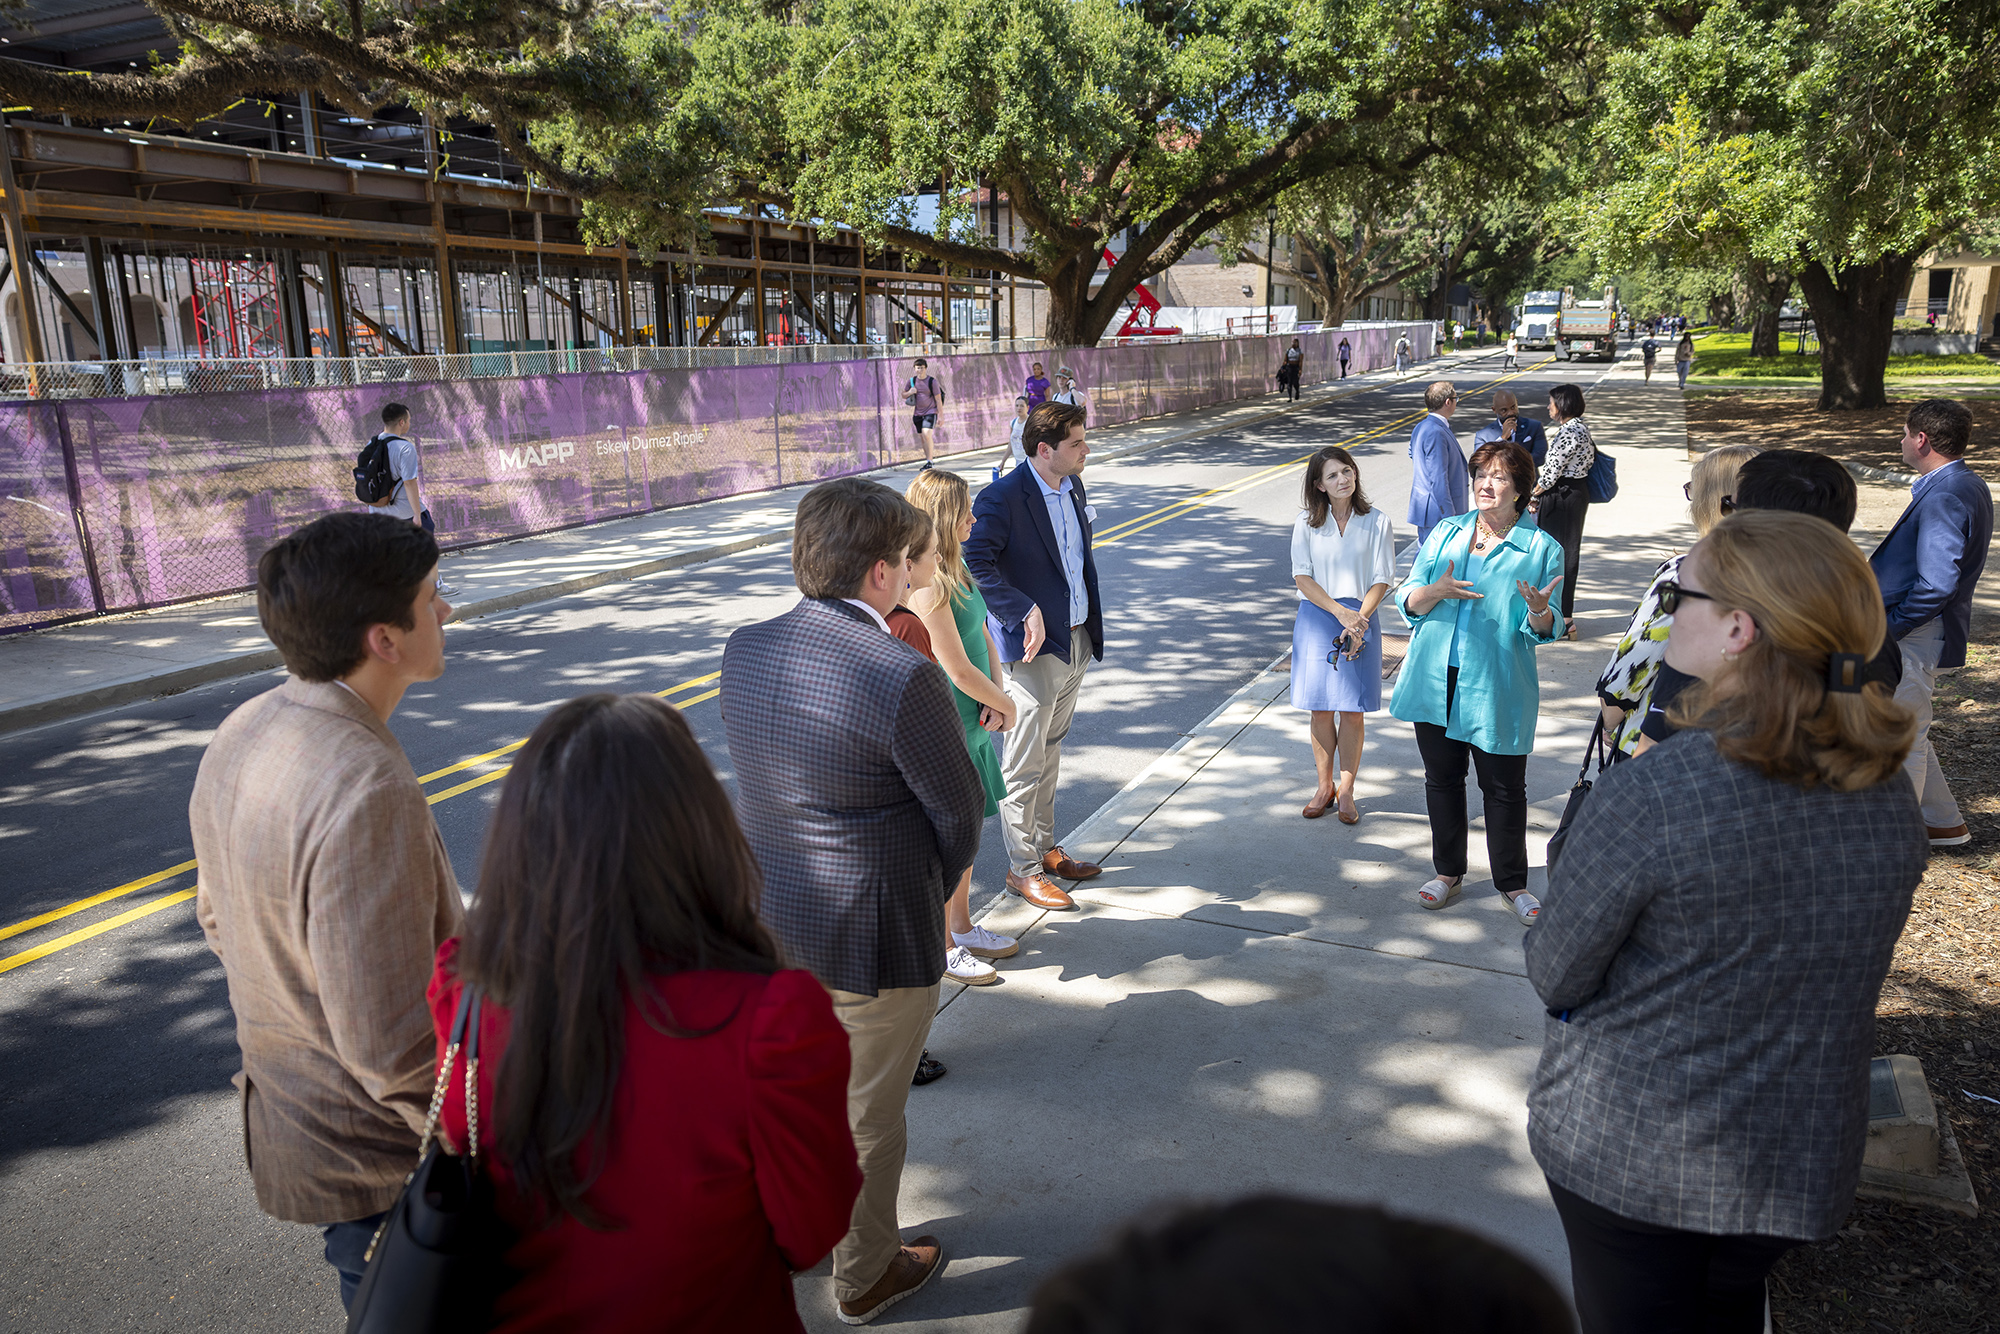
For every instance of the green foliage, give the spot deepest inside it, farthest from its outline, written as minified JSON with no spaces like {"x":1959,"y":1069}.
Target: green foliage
{"x":1725,"y":356}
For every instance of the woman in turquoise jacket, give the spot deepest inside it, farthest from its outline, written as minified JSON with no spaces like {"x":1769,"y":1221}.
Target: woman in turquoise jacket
{"x":1478,"y":601}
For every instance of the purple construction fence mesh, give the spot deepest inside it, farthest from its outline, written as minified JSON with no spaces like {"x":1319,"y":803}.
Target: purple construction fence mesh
{"x":114,"y":504}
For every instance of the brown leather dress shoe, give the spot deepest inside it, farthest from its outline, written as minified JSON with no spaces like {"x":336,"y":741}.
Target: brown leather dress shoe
{"x":1057,"y":863}
{"x":1038,"y":890}
{"x":910,"y":1270}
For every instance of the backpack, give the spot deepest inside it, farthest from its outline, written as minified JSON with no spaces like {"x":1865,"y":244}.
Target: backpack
{"x":928,"y":392}
{"x":374,"y":483}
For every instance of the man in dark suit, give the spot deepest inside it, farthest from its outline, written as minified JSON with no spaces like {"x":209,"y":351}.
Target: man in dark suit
{"x":1509,"y":424}
{"x":860,"y":800}
{"x":1030,"y":553}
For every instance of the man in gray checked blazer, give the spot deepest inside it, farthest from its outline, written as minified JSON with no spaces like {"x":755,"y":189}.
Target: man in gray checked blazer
{"x":860,"y":800}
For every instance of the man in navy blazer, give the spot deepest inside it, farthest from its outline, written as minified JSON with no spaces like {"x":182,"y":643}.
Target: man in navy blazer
{"x":1509,"y":424}
{"x":1928,"y":566}
{"x":861,"y":803}
{"x":1030,"y":554}
{"x":1439,"y":487}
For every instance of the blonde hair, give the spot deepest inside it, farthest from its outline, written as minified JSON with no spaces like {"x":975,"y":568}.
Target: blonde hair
{"x":1812,"y":595}
{"x":944,"y":499}
{"x":1713,"y":478}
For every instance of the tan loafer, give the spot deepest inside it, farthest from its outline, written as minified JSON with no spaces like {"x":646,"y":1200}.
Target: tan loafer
{"x":1059,"y":863}
{"x":1040,"y":891}
{"x":910,"y":1270}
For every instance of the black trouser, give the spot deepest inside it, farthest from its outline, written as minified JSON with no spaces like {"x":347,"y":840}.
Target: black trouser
{"x":1639,"y":1278}
{"x":1503,"y":780}
{"x":1559,"y":513}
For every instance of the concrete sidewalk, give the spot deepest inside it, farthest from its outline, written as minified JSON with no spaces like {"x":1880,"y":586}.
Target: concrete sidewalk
{"x":1247,"y":1001}
{"x":85,"y":666}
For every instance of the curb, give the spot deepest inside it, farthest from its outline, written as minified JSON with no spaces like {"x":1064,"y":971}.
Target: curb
{"x":132,"y":691}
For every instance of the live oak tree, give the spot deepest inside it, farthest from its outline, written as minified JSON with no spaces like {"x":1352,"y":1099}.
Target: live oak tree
{"x":1154,"y":120}
{"x":1835,"y":142}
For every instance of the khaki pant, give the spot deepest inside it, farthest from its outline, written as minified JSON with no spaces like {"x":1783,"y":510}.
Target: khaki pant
{"x":1922,"y":648}
{"x":885,"y":1036}
{"x":1045,"y":690}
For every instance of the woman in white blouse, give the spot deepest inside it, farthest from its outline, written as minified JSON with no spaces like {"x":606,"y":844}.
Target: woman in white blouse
{"x":1343,"y":561}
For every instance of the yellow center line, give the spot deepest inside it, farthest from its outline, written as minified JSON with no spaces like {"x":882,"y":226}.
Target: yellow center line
{"x":1150,"y":519}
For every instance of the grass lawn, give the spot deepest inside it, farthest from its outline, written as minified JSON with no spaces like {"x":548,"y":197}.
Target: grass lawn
{"x":1726,"y":356}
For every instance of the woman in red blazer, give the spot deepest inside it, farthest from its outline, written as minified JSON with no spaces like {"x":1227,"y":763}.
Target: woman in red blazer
{"x":662,"y":1104}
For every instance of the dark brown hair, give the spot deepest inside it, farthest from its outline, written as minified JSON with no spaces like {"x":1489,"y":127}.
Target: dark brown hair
{"x":842,"y":528}
{"x":1317,"y":504}
{"x":1945,"y":423}
{"x":1049,"y":424}
{"x":1439,"y":394}
{"x":1276,"y":1263}
{"x":1518,"y":462}
{"x":1811,"y":593}
{"x":393,"y":413}
{"x":614,"y":859}
{"x":320,"y":590}
{"x":1568,"y":400}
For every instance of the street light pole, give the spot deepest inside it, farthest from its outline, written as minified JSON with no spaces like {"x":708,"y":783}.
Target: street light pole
{"x":1270,"y":261}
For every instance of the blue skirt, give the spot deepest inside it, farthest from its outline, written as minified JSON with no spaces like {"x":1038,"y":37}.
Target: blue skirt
{"x":1353,"y":687}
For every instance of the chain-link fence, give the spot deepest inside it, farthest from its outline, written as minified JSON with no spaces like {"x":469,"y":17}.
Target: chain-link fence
{"x":113,"y":502}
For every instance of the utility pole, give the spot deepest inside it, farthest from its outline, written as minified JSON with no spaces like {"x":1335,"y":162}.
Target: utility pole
{"x":1270,"y":261}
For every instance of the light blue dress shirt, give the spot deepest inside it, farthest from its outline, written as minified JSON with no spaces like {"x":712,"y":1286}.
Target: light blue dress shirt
{"x":1069,"y":540}
{"x":1499,"y":696}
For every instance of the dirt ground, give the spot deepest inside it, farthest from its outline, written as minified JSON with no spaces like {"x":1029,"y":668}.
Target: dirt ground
{"x":1894,"y":1266}
{"x":1777,"y":419}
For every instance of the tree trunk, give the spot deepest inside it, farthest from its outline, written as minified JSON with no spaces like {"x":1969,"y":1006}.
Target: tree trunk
{"x":1768,"y":289}
{"x":1075,"y":320}
{"x":1854,"y":308}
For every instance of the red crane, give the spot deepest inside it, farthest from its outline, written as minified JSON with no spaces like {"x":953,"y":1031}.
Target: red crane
{"x":1143,"y":302}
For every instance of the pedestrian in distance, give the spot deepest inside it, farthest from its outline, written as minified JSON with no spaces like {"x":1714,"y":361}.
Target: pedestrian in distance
{"x":1625,"y":686}
{"x":1683,"y":358}
{"x":1275,"y":1263}
{"x":391,"y":459}
{"x":1343,"y":562}
{"x":1066,"y":390}
{"x":1562,"y":488}
{"x":1512,"y":361}
{"x":1928,"y":567}
{"x":1402,"y":352}
{"x":955,"y":614}
{"x":1437,"y":482}
{"x":325,"y":889}
{"x":618,"y":961}
{"x":1030,"y":555}
{"x":1037,"y":389}
{"x":862,"y":807}
{"x":1346,"y":355}
{"x":1290,"y":373}
{"x":1014,"y":452}
{"x":1715,"y":939}
{"x":924,"y":396}
{"x":1649,"y":350}
{"x":1508,"y":424}
{"x":1477,"y":598}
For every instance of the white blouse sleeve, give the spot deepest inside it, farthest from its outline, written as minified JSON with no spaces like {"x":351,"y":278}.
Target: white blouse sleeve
{"x":1302,"y":560}
{"x":1383,"y":558}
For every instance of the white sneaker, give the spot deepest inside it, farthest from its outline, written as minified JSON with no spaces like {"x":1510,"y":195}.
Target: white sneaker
{"x":960,"y":966}
{"x":983,"y":944}
{"x":446,"y":590}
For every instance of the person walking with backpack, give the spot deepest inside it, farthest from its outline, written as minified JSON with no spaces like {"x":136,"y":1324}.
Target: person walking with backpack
{"x":1402,"y":352}
{"x":1683,"y":358}
{"x":922,"y":396}
{"x":388,"y":476}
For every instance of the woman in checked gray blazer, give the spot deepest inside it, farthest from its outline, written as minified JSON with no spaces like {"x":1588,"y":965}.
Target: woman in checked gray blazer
{"x":1715,"y":938}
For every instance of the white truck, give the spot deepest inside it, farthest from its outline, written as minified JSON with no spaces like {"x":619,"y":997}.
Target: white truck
{"x":1540,"y":323}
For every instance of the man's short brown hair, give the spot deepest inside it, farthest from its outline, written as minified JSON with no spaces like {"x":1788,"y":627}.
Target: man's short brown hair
{"x":843,"y":528}
{"x":1439,"y":394}
{"x":321,"y":589}
{"x":1945,"y":423}
{"x":1049,"y":424}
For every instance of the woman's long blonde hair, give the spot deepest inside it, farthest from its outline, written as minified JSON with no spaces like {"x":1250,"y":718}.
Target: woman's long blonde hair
{"x":1714,"y":479}
{"x":947,"y":500}
{"x":1812,"y":595}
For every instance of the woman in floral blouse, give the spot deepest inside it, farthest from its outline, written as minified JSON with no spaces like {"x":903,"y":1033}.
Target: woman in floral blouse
{"x":1626,"y":686}
{"x":1562,"y":495}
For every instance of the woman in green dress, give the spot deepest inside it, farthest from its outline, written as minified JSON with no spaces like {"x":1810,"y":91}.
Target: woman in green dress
{"x":955,"y":614}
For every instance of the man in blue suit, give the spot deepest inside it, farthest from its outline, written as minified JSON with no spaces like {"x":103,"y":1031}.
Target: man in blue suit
{"x":1438,"y":484}
{"x":1030,"y":554}
{"x":1928,"y":566}
{"x":1509,"y":424}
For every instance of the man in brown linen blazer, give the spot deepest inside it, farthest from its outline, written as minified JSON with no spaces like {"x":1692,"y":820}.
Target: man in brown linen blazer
{"x":324,"y":885}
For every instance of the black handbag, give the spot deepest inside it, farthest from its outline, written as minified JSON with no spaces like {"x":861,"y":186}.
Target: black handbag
{"x":438,"y":1261}
{"x":1585,"y":779}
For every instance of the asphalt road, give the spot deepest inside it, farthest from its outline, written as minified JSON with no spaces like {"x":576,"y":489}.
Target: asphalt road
{"x":123,"y":1199}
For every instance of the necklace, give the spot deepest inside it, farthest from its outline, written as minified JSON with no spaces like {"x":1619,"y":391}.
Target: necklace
{"x":1488,"y":535}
